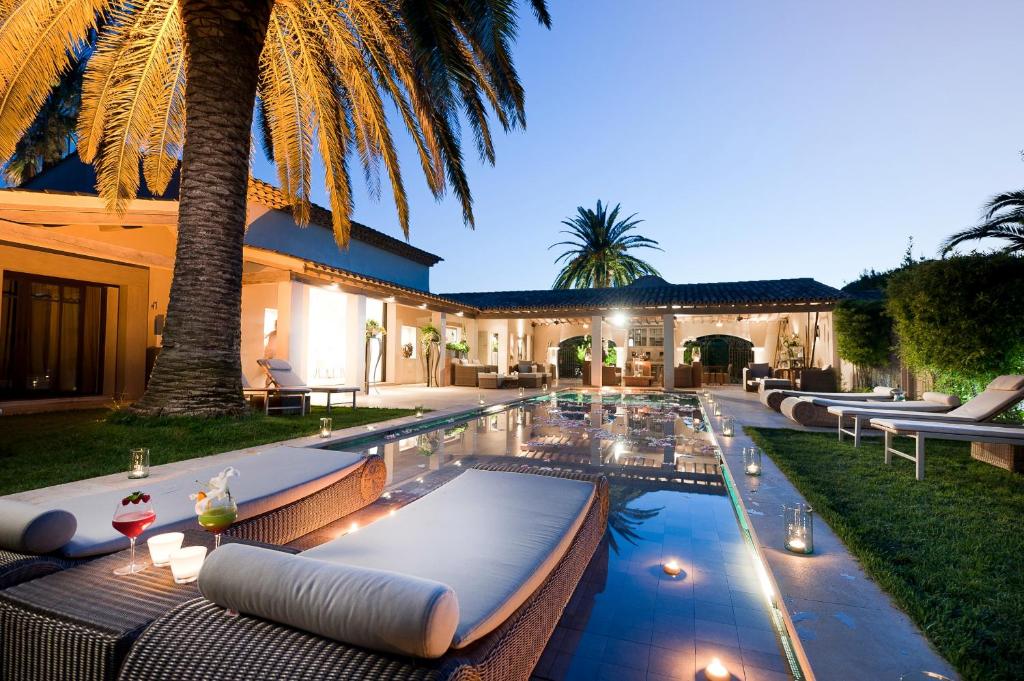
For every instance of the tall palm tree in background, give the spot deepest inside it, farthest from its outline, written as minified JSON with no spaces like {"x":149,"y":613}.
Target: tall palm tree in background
{"x":321,"y":72}
{"x":1002,"y":218}
{"x":599,"y":255}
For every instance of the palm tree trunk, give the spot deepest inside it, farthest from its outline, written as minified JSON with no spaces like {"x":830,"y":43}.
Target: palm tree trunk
{"x":199,"y":369}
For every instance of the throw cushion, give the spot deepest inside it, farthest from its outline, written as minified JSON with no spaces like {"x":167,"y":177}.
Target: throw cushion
{"x":366,"y":607}
{"x":28,"y":528}
{"x":525,"y":367}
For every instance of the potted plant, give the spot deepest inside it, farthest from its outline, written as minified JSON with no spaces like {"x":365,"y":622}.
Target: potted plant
{"x":407,"y":350}
{"x":430,"y":339}
{"x":374,"y":334}
{"x":460,"y":349}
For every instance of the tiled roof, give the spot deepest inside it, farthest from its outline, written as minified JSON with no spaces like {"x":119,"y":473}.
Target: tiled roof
{"x":651,"y":292}
{"x":73,"y":176}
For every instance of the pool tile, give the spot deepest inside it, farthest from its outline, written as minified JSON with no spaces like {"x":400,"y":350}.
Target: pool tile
{"x":760,"y":640}
{"x":671,"y":664}
{"x":717,"y":633}
{"x":757,"y":674}
{"x":627,"y":654}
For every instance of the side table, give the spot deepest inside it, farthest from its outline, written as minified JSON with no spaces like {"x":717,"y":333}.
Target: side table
{"x":79,"y":623}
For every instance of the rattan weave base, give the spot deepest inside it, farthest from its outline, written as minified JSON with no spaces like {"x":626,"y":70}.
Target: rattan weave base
{"x":197,"y":641}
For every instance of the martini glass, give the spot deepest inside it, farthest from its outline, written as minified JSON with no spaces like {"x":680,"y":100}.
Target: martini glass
{"x":218,"y":515}
{"x":132,"y":515}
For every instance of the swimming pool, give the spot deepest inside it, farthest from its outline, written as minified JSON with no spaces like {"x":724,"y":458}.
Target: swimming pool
{"x":671,"y":499}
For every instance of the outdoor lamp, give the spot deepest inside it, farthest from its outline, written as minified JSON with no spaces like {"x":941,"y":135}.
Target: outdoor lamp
{"x":799,"y":520}
{"x":716,"y":671}
{"x":728,"y":426}
{"x":161,"y":547}
{"x":139,"y":467}
{"x":186,"y":563}
{"x":752,"y":461}
{"x":325,"y":427}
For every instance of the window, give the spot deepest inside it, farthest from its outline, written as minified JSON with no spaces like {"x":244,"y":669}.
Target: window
{"x":51,"y":337}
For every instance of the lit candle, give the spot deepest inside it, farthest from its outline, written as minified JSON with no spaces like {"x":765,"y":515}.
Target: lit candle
{"x":522,"y":391}
{"x":139,"y":464}
{"x":419,"y":412}
{"x":161,"y":547}
{"x":716,"y":671}
{"x":672,"y":567}
{"x":728,"y":426}
{"x":797,"y":544}
{"x":481,"y":400}
{"x":354,"y":527}
{"x":186,"y":563}
{"x":753,"y":469}
{"x":325,"y":427}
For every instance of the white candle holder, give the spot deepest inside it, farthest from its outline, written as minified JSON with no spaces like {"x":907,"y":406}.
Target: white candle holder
{"x":752,"y":461}
{"x":718,"y":409}
{"x":326,"y":426}
{"x":139,"y":464}
{"x":161,"y":546}
{"x":799,"y":520}
{"x":186,"y":563}
{"x":728,"y":426}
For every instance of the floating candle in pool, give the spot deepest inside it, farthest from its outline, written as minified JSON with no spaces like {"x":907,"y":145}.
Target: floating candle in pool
{"x":716,"y":671}
{"x":672,"y":567}
{"x":186,"y":563}
{"x":161,"y":546}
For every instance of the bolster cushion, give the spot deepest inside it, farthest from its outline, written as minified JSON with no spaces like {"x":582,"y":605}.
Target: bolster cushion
{"x":941,"y":398}
{"x":27,"y":528}
{"x":882,"y":390}
{"x":370,"y":608}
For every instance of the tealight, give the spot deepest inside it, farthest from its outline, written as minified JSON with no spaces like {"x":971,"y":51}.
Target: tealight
{"x":161,"y":546}
{"x":186,"y":563}
{"x":672,"y":567}
{"x":716,"y":671}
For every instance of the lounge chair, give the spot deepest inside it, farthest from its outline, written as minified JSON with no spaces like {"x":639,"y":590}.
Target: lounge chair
{"x":942,"y":430}
{"x":280,"y":375}
{"x":282,"y":493}
{"x":273,"y":398}
{"x":773,"y":397}
{"x":467,"y":582}
{"x":814,"y":411}
{"x":998,"y":396}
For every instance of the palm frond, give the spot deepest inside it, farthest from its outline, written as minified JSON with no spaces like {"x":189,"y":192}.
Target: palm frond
{"x":1002,"y":218}
{"x":145,"y":66}
{"x":35,"y":37}
{"x":167,"y":134}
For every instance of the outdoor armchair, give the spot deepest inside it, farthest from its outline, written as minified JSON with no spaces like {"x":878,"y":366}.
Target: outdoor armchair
{"x":754,"y":371}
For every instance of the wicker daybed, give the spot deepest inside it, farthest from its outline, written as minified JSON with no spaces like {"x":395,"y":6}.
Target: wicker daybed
{"x":332,"y":494}
{"x":197,"y":640}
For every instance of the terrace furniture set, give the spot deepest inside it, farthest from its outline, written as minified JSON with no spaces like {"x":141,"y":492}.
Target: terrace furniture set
{"x":528,"y":375}
{"x":935,"y":415}
{"x":467,"y":582}
{"x":465,"y":372}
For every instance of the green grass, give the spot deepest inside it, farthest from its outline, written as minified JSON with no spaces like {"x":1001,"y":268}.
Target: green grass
{"x":37,"y":450}
{"x":949,"y":549}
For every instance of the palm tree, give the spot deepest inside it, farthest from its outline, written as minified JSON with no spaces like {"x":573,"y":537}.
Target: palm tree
{"x":1001,"y":218}
{"x":599,"y":256}
{"x":321,"y":72}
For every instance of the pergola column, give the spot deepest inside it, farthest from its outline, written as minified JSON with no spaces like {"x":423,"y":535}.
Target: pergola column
{"x":669,"y":348}
{"x":596,"y":357}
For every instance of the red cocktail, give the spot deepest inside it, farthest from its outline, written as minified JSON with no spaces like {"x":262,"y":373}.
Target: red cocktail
{"x":132,"y":516}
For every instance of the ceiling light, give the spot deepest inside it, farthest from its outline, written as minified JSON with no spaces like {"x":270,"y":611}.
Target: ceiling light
{"x":719,"y":324}
{"x":619,"y":319}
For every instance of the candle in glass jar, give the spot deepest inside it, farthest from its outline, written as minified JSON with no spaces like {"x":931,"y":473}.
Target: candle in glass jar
{"x":186,"y":563}
{"x":161,"y":547}
{"x":326,"y":426}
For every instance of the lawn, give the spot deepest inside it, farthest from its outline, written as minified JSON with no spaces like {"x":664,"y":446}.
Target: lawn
{"x":37,"y":450}
{"x":948,"y":549}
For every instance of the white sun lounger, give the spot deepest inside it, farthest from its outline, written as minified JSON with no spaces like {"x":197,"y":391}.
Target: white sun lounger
{"x":817,"y":411}
{"x":773,"y":397}
{"x":999,"y":395}
{"x":920,"y":430}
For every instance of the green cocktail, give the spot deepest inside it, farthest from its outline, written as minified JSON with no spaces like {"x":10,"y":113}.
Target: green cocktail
{"x":218,"y":518}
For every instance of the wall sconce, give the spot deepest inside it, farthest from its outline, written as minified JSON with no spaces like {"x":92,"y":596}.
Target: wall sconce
{"x":799,"y":520}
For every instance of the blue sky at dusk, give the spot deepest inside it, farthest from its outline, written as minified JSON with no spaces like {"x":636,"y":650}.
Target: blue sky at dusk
{"x":757,"y":140}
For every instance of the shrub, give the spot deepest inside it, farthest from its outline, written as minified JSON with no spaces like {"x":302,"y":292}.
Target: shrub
{"x":863,"y":332}
{"x":960,"y":318}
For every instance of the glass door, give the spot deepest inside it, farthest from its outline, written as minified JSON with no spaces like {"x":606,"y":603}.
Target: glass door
{"x":51,"y":337}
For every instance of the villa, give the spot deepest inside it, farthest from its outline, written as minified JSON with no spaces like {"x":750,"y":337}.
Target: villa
{"x":85,"y":294}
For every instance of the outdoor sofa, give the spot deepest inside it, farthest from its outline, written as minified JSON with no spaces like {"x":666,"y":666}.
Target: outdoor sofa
{"x":754,"y":371}
{"x":1012,"y":436}
{"x":282,"y":493}
{"x":1000,"y":395}
{"x":808,"y":410}
{"x":281,"y":376}
{"x":467,"y":582}
{"x":532,"y":375}
{"x":773,"y":397}
{"x":688,"y":375}
{"x":465,"y":371}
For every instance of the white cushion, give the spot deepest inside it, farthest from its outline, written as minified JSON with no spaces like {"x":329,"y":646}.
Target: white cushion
{"x":492,"y":537}
{"x":886,"y":411}
{"x":266,"y":481}
{"x":908,"y":405}
{"x":282,"y":374}
{"x":371,"y":608}
{"x":981,"y":431}
{"x":844,"y":397}
{"x":882,"y":390}
{"x":991,"y":402}
{"x":27,"y":528}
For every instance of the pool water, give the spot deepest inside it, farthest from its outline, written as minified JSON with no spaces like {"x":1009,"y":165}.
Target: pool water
{"x":627,"y":619}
